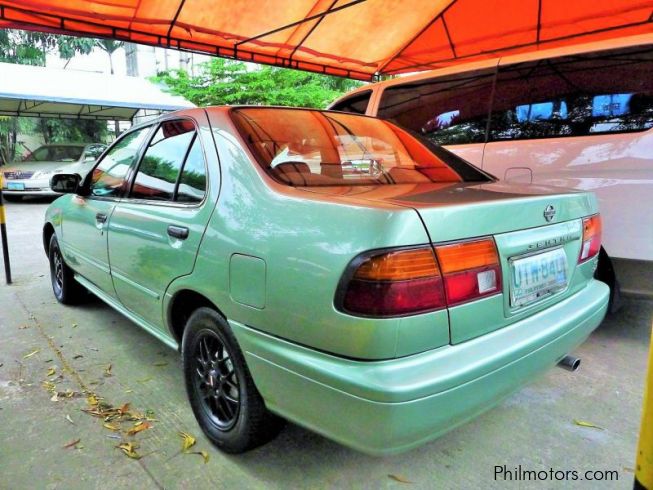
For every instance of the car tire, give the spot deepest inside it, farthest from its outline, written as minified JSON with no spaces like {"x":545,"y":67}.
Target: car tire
{"x":221,"y":391}
{"x":65,"y":288}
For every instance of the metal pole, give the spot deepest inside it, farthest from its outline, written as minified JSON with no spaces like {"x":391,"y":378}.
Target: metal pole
{"x":3,"y":234}
{"x":644,"y":472}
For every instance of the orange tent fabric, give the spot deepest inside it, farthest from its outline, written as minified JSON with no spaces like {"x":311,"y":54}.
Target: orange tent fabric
{"x":352,"y":38}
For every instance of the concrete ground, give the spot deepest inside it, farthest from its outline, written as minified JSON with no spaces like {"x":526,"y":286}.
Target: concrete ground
{"x":534,"y":428}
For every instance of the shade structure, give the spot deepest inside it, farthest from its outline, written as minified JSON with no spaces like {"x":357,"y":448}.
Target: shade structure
{"x":352,"y":38}
{"x":46,"y":92}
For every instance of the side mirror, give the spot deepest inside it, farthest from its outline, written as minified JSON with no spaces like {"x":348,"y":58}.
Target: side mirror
{"x":65,"y":183}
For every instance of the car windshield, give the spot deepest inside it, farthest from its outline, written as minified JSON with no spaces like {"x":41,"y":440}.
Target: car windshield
{"x":301,"y":147}
{"x":55,"y":153}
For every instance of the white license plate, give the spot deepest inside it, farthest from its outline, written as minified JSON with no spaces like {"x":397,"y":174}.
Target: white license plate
{"x":15,"y":186}
{"x":537,"y":276}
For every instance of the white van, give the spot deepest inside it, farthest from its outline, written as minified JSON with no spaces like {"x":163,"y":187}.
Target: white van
{"x":579,"y":117}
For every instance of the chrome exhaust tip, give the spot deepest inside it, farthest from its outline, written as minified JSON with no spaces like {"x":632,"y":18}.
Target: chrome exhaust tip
{"x":570,"y":363}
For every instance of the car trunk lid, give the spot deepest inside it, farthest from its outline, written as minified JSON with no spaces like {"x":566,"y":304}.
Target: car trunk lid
{"x":533,"y":227}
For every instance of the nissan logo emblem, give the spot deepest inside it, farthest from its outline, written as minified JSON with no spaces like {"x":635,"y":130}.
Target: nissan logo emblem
{"x":549,"y":213}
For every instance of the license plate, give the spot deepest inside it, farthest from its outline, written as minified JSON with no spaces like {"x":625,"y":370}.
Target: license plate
{"x":15,"y":186}
{"x":537,"y":276}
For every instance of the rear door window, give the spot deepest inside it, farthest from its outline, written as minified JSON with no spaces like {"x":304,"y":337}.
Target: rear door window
{"x":172,"y":167}
{"x":580,"y":95}
{"x":448,"y":110}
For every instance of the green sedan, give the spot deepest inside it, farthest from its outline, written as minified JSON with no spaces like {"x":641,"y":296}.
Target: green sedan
{"x":330,"y":269}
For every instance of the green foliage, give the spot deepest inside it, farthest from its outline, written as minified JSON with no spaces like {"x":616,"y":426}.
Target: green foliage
{"x":72,"y":130}
{"x":31,"y":48}
{"x":233,"y":82}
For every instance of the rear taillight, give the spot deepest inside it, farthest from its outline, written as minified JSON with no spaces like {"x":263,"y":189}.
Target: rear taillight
{"x":395,"y":283}
{"x":591,"y":238}
{"x":470,"y":270}
{"x":409,"y":281}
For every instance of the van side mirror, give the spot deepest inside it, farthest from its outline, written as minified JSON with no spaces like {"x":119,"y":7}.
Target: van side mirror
{"x":65,"y":183}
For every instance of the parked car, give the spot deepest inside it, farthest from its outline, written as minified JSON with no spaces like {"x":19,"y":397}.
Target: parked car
{"x":579,"y":117}
{"x":31,"y":176}
{"x":328,"y":268}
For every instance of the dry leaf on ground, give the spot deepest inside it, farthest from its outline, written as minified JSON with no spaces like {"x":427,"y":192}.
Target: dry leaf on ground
{"x":72,"y":444}
{"x":110,"y":426}
{"x":204,"y":455}
{"x":188,"y":441}
{"x":583,"y":423}
{"x":52,"y":371}
{"x":129,"y":448}
{"x":49,"y":386}
{"x":34,"y":352}
{"x":107,"y":370}
{"x":400,"y":479}
{"x":139,"y":427}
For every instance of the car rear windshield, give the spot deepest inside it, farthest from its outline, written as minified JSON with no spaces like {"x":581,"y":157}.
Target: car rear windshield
{"x":307,"y":148}
{"x":56,"y":154}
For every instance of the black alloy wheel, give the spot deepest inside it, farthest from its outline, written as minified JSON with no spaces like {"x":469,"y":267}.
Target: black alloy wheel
{"x":221,"y":391}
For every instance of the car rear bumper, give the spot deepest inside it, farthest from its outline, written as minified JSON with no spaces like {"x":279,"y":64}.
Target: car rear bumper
{"x":384,"y":407}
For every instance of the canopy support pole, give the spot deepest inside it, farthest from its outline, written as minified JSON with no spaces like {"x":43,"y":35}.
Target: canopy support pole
{"x":3,"y":235}
{"x":644,"y":471}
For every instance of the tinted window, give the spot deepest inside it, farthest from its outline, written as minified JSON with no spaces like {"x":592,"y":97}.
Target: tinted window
{"x":604,"y":92}
{"x":159,"y":169}
{"x":448,"y":110}
{"x":314,"y":148}
{"x":109,"y":176}
{"x":356,"y":104}
{"x":192,"y":183}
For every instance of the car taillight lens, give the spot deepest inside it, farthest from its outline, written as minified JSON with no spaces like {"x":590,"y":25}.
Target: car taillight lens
{"x":395,"y":283}
{"x":591,"y":238}
{"x":409,"y":281}
{"x":470,"y":270}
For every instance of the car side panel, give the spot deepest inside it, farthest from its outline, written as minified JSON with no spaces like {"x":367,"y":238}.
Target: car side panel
{"x":84,"y":239}
{"x":616,"y":167}
{"x":144,"y":258}
{"x":306,"y":242}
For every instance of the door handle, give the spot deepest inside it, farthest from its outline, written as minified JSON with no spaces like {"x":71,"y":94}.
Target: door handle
{"x":180,"y":232}
{"x":101,"y":217}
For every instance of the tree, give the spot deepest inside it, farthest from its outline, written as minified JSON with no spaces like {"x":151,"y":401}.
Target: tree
{"x":233,"y":82}
{"x":109,"y":46}
{"x":32,"y":48}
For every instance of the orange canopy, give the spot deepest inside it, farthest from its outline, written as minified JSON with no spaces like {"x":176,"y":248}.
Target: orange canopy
{"x":352,"y":38}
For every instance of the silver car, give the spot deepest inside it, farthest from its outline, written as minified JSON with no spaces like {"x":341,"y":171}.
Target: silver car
{"x":31,"y":176}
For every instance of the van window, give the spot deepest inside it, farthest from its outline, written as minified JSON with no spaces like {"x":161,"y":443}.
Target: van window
{"x":448,"y":110}
{"x":597,"y":93}
{"x":356,"y":104}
